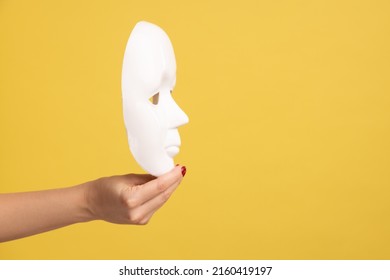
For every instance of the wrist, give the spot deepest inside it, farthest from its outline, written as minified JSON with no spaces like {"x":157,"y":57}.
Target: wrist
{"x":85,"y":213}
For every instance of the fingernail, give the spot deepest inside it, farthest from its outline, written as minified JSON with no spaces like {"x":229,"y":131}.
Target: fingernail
{"x":183,"y":170}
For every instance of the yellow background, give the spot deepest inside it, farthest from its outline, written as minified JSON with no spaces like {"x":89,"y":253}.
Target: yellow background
{"x":288,"y":145}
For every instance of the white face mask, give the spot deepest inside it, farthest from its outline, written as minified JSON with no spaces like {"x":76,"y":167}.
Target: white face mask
{"x":151,"y":115}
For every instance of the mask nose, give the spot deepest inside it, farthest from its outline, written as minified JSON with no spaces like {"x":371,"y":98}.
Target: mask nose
{"x":175,"y":115}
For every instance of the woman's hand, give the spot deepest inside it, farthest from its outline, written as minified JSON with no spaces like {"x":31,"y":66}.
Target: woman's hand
{"x":126,"y":199}
{"x":132,"y":198}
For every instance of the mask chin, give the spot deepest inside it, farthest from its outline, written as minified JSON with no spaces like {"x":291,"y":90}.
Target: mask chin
{"x":156,"y":161}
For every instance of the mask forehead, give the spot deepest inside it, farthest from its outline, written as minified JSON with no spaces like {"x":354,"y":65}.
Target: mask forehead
{"x":149,"y":63}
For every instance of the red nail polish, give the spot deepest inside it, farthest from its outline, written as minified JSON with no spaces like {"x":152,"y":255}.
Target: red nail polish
{"x":183,"y":170}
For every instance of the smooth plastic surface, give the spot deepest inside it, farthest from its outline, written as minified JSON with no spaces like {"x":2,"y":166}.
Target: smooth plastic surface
{"x":150,"y":112}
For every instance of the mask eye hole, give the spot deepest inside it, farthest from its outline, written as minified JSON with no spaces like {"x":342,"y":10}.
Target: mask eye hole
{"x":154,"y":98}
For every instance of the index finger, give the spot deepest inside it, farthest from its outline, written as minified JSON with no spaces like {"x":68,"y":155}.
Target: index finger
{"x":154,"y":187}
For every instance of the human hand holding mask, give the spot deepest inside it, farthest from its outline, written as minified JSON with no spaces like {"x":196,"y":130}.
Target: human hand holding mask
{"x":151,"y":115}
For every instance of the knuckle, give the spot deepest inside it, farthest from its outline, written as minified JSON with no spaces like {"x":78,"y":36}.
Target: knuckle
{"x":132,"y":203}
{"x":160,"y":185}
{"x":135,"y":218}
{"x":165,"y":196}
{"x":143,"y":222}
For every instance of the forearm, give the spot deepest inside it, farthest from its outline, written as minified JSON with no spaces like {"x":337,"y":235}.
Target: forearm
{"x":29,"y":213}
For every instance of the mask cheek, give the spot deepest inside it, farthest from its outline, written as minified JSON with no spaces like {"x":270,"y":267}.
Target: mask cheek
{"x":146,"y":133}
{"x":145,"y":129}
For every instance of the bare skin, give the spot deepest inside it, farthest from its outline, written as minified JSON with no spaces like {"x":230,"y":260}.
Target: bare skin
{"x":124,"y":199}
